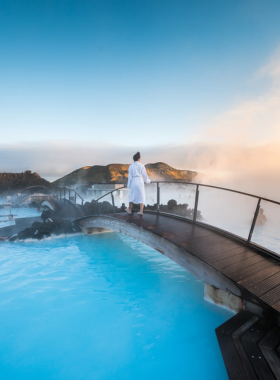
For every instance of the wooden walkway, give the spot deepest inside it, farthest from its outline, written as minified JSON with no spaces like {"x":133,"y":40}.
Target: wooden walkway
{"x":250,"y":347}
{"x":254,"y":273}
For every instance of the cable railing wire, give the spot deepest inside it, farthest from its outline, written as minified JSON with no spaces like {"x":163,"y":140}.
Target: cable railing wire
{"x":194,"y":220}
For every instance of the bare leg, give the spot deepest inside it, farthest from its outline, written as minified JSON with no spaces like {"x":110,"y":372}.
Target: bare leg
{"x":141,"y":207}
{"x":130,"y":206}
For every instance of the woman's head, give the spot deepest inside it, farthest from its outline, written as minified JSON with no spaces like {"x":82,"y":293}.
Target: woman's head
{"x":136,"y":156}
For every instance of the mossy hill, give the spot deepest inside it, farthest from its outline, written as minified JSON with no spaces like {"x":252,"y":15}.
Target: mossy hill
{"x":15,"y":182}
{"x":118,"y":173}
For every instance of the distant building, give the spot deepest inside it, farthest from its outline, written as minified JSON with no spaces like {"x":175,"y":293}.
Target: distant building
{"x":97,"y":190}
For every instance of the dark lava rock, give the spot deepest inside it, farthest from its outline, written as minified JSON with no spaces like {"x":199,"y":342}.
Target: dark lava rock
{"x":90,"y":208}
{"x":76,"y":227}
{"x":26,"y":234}
{"x":65,"y":227}
{"x":13,"y":237}
{"x":14,"y":182}
{"x":95,"y":208}
{"x":51,"y":225}
{"x":48,"y":214}
{"x":177,"y":209}
{"x":35,"y":225}
{"x":171,"y":204}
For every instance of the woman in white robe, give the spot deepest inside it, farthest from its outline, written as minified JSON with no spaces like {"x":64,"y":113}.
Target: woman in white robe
{"x":137,"y":176}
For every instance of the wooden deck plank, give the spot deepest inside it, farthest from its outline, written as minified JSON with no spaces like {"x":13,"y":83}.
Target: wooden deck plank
{"x":276,"y":306}
{"x":216,"y":241}
{"x":248,"y":271}
{"x":236,"y":258}
{"x":237,"y":369}
{"x":273,"y":296}
{"x":242,"y":265}
{"x":190,"y":241}
{"x":268,"y":346}
{"x":264,"y":281}
{"x":249,"y":341}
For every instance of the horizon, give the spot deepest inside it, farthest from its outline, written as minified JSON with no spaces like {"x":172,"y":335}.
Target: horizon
{"x":196,"y":85}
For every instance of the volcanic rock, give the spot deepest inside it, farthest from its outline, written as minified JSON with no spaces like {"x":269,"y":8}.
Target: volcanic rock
{"x":51,"y":225}
{"x":15,"y":182}
{"x":119,"y":173}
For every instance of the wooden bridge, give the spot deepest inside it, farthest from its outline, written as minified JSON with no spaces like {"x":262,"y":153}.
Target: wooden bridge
{"x":216,"y":259}
{"x":236,"y":273}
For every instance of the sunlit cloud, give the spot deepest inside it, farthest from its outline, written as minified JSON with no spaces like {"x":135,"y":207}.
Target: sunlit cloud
{"x":254,"y":121}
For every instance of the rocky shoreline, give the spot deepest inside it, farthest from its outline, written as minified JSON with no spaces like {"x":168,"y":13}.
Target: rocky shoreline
{"x":51,"y":225}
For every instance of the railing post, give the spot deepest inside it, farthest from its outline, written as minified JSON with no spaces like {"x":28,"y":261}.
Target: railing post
{"x":158,"y":196}
{"x":69,"y":194}
{"x":64,"y":193}
{"x":254,"y":221}
{"x":60,"y":194}
{"x":196,"y":203}
{"x":75,"y":198}
{"x":113,"y":202}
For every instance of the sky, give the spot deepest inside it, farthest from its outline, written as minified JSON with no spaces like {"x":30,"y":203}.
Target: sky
{"x":90,"y":82}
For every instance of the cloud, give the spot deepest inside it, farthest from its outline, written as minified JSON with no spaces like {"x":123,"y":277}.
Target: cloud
{"x":239,"y":148}
{"x":253,"y":121}
{"x":252,"y":169}
{"x":272,"y":68}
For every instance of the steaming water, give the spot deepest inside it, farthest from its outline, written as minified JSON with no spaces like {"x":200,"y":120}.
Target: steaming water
{"x":103,"y":307}
{"x":22,"y":212}
{"x":228,"y":211}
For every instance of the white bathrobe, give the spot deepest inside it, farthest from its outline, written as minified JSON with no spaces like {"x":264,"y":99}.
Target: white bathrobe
{"x":137,"y":175}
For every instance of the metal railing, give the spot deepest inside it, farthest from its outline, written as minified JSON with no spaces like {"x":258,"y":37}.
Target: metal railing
{"x":197,"y":186}
{"x":64,"y":191}
{"x":112,"y":196}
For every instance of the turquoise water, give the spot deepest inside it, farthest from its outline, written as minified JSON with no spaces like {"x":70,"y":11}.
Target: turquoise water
{"x":103,"y":307}
{"x":22,"y":212}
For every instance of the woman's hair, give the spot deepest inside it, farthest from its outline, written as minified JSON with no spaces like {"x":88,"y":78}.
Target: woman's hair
{"x":136,"y":156}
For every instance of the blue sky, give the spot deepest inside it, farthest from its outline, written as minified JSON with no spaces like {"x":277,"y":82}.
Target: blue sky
{"x":91,"y":82}
{"x":113,"y":71}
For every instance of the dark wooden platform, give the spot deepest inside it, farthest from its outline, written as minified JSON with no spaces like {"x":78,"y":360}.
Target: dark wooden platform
{"x":253,"y":272}
{"x":249,"y":347}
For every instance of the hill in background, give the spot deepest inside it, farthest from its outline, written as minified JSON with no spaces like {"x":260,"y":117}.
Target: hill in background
{"x":119,"y":173}
{"x":15,"y":182}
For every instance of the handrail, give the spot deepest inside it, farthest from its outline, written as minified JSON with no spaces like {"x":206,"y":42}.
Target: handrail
{"x":69,"y":189}
{"x":220,"y":188}
{"x":110,"y":193}
{"x":248,"y":241}
{"x":204,"y":185}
